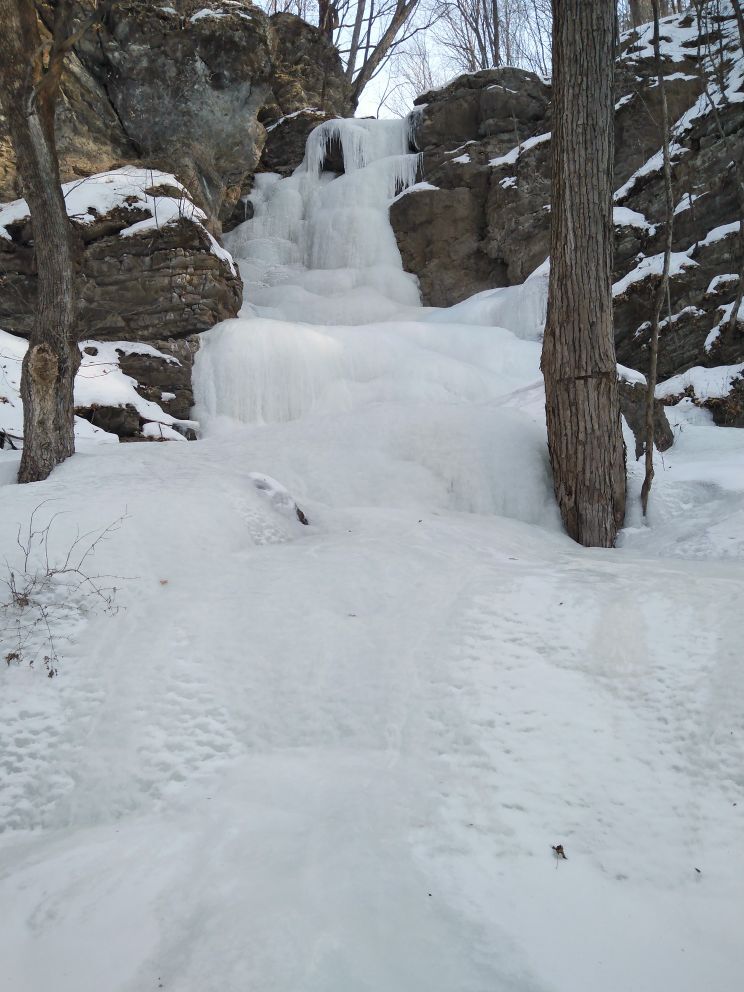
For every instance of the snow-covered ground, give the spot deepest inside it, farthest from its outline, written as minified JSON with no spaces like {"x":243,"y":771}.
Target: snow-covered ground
{"x":336,"y":757}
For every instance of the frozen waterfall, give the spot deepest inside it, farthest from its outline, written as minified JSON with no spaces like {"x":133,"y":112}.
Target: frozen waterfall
{"x":331,"y":323}
{"x":319,"y":248}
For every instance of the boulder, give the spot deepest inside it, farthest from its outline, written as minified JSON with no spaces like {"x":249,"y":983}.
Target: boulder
{"x":149,"y":267}
{"x":633,"y":408}
{"x":307,"y":72}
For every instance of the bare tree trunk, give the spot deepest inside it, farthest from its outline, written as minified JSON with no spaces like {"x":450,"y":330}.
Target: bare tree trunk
{"x":380,"y":51}
{"x":662,"y":288}
{"x":638,"y":12}
{"x":585,"y":439}
{"x":355,"y":35}
{"x":28,"y":96}
{"x":739,"y":21}
{"x":496,"y":33}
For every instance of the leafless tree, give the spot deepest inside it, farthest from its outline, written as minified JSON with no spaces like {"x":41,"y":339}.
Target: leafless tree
{"x":585,"y":439}
{"x":479,"y":34}
{"x":663,"y":286}
{"x":367,"y":33}
{"x":469,"y":33}
{"x":371,"y":32}
{"x":32,"y":58}
{"x":413,"y":70}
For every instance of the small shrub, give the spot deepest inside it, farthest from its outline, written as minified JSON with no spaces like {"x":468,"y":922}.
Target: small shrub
{"x":46,"y":594}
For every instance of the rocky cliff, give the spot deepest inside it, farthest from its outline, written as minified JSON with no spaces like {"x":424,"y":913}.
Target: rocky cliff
{"x":186,"y":88}
{"x":481,"y":215}
{"x":163,"y":117}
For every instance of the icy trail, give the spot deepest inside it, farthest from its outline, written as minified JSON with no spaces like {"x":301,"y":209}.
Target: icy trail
{"x":335,"y":758}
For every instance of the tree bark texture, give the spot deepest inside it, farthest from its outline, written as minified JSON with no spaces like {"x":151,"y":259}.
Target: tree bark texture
{"x":662,"y":288}
{"x":53,"y":357}
{"x":585,"y":439}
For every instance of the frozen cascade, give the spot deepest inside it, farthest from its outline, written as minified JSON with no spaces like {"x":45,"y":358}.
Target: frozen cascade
{"x":331,"y":322}
{"x":319,"y":247}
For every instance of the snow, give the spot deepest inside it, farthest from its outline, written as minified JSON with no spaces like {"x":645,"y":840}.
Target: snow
{"x":677,"y":41}
{"x":721,"y":281}
{"x":686,"y":202}
{"x":421,"y":187}
{"x":651,"y":265}
{"x":624,"y":217}
{"x":336,"y":757}
{"x":512,"y":156}
{"x":128,"y":188}
{"x":297,"y":113}
{"x":207,"y":13}
{"x":99,"y":381}
{"x":650,"y":167}
{"x":725,"y":312}
{"x":706,"y":383}
{"x":720,"y":232}
{"x":462,"y":159}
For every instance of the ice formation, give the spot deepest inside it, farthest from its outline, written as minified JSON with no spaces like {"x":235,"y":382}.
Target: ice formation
{"x":320,"y":251}
{"x":319,"y":247}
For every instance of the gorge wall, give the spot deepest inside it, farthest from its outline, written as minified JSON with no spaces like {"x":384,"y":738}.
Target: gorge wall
{"x":170,"y":107}
{"x":481,"y":215}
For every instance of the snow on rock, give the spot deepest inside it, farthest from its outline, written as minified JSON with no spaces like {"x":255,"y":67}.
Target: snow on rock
{"x":132,"y":189}
{"x":624,"y":217}
{"x":650,"y":167}
{"x":705,"y":383}
{"x":722,"y":281}
{"x":415,"y":188}
{"x":677,"y":39}
{"x":99,"y":382}
{"x":278,"y":496}
{"x":685,"y":203}
{"x":725,"y":312}
{"x":721,"y":232}
{"x":512,"y":156}
{"x":653,"y":265}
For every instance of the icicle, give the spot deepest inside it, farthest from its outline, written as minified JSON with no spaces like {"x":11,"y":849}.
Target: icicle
{"x":325,"y":239}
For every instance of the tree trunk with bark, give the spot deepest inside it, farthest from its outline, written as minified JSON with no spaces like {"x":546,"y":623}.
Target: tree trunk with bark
{"x":585,"y":438}
{"x":663,"y":287}
{"x":28,"y":89}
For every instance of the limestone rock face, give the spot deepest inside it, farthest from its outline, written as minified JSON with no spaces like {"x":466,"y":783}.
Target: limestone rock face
{"x":485,"y":145}
{"x":187,"y":81}
{"x":307,"y":72}
{"x":89,"y":135}
{"x":472,"y":233}
{"x":187,"y":87}
{"x":149,"y":270}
